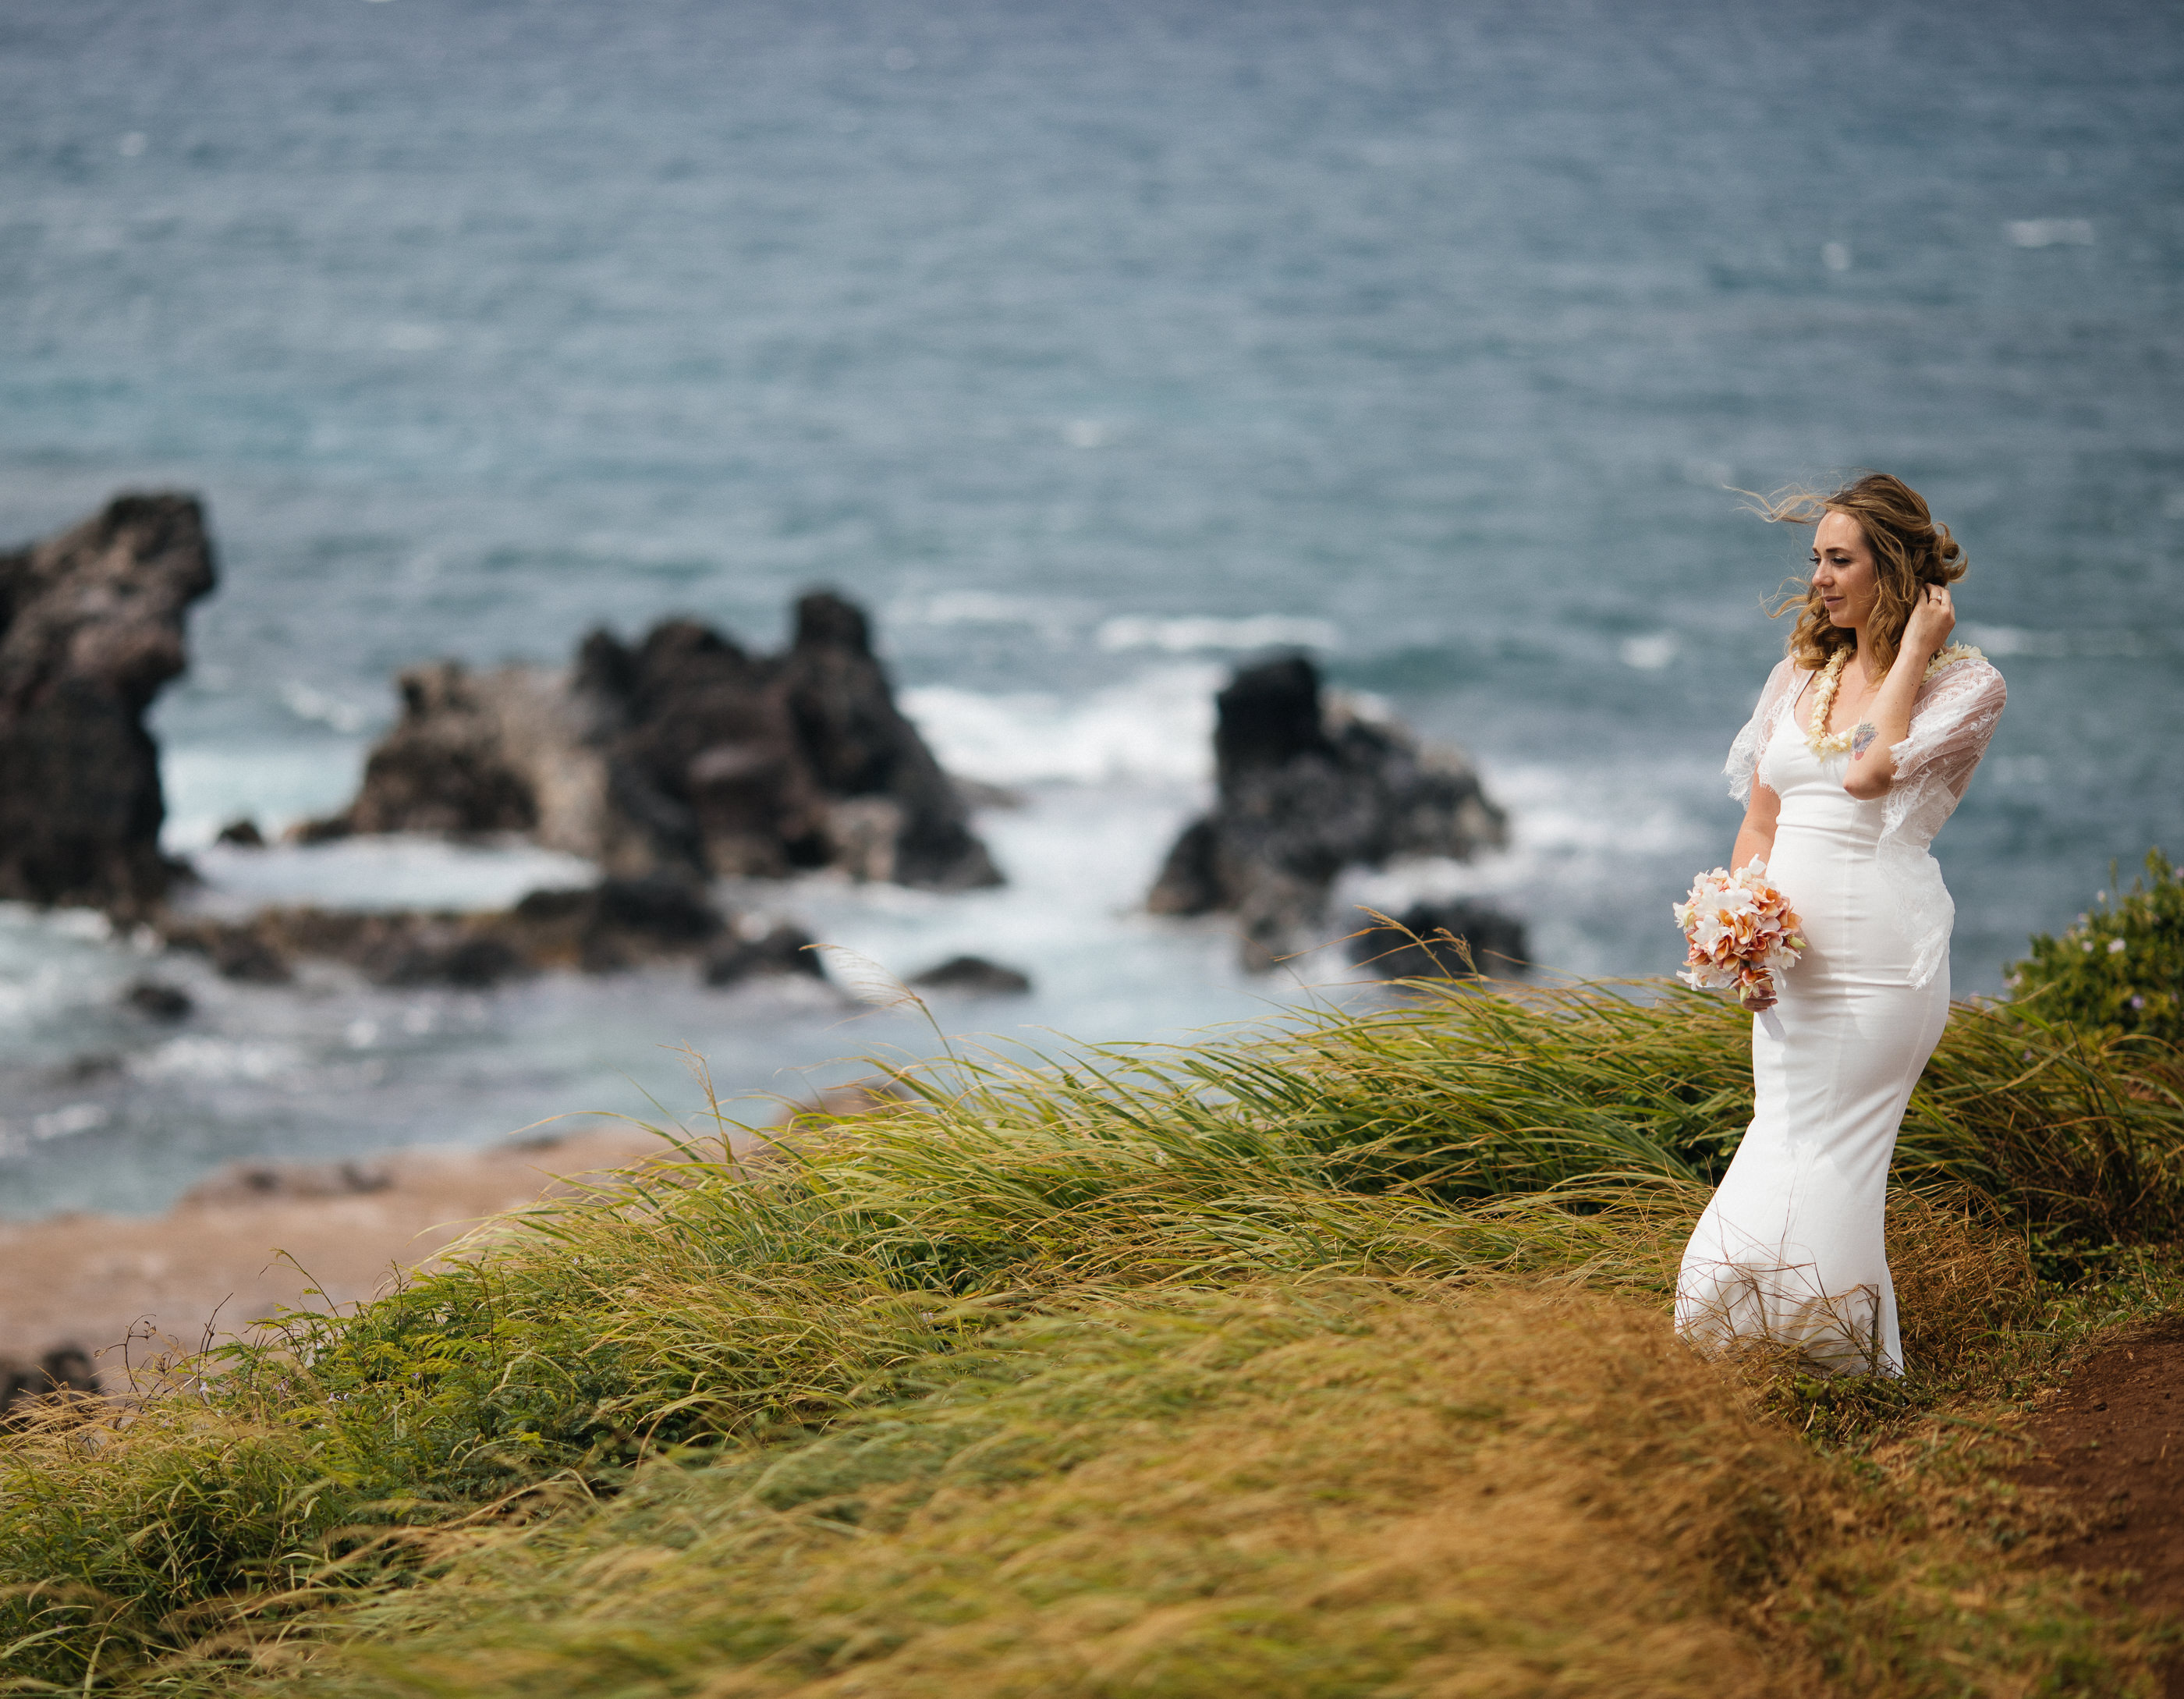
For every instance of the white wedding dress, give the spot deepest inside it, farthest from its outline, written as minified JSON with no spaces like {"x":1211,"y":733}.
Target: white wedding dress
{"x":1790,"y":1250}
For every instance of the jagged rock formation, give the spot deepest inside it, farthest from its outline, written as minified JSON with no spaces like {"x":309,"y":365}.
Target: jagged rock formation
{"x":1422,"y":944}
{"x":90,"y":627}
{"x":1307,"y":787}
{"x":684,"y":753}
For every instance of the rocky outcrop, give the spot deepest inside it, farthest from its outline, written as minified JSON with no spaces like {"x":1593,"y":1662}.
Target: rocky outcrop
{"x":156,"y":1000}
{"x":90,"y":627}
{"x":684,"y":753}
{"x":64,"y":1376}
{"x":1452,"y":939}
{"x":973,"y":975}
{"x":1307,"y":786}
{"x":617,"y":924}
{"x":781,"y":948}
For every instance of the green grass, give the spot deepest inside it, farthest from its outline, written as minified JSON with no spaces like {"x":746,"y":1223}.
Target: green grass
{"x":1316,"y":1489}
{"x":1466,"y":1146}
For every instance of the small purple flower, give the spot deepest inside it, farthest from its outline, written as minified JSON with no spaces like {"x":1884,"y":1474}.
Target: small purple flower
{"x":2138,"y":1001}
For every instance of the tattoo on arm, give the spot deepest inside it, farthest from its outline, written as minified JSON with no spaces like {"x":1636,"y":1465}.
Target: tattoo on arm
{"x":1861,"y":740}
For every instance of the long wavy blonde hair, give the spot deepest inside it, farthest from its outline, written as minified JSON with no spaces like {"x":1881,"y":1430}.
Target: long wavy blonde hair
{"x":1911,"y":550}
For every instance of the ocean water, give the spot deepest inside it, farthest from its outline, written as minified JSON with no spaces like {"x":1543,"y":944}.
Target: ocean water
{"x":1093,"y":348}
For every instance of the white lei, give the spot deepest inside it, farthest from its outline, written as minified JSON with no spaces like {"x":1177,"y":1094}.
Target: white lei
{"x":1823,"y":742}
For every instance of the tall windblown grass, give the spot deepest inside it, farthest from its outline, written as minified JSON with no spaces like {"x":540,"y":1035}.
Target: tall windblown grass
{"x":1310,"y":1489}
{"x":1468,"y":1140}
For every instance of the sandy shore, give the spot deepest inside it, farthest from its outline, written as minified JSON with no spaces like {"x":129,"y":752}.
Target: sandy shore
{"x":256,"y":1238}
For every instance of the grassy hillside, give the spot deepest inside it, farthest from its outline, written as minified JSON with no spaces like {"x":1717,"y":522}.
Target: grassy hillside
{"x":1330,"y":1360}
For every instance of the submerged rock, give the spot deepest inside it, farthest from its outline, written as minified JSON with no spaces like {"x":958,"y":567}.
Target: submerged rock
{"x":158,"y":1000}
{"x":683,"y":755}
{"x":973,"y":975}
{"x":615,"y":924}
{"x":1422,"y":942}
{"x":91,"y":628}
{"x":782,"y":949}
{"x":1307,"y":786}
{"x":256,"y":1182}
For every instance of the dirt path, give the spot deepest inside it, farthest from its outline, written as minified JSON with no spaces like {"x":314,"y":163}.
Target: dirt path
{"x":2113,"y":1445}
{"x":253,"y":1239}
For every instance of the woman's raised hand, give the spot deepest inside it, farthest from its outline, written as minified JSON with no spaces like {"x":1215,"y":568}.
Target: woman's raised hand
{"x":1931,"y":622}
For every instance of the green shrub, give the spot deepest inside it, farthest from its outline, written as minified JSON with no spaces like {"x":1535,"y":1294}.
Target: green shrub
{"x":2122,"y":968}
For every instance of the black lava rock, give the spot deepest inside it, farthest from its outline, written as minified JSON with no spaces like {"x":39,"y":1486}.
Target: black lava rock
{"x":974,"y":976}
{"x":1306,"y":786}
{"x":158,"y":1000}
{"x":784,"y":950}
{"x":1421,"y":944}
{"x":91,"y":628}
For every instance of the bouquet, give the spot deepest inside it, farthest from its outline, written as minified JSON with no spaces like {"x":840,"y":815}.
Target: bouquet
{"x":1742,"y":931}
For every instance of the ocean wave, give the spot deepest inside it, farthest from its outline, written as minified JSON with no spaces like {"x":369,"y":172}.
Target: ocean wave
{"x":1196,"y":633}
{"x":277,"y":784}
{"x":196,"y":1056}
{"x":1157,"y":728}
{"x":2113,"y":644}
{"x":382,"y":872}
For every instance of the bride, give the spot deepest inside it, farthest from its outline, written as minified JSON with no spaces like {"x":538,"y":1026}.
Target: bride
{"x":1863,"y":741}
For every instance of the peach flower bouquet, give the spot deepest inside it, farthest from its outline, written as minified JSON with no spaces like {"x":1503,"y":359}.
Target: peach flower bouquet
{"x":1742,"y":932}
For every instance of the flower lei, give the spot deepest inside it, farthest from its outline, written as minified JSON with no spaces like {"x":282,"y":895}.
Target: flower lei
{"x":1823,"y":742}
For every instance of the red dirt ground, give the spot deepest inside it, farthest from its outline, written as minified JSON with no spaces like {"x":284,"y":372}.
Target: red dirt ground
{"x":2113,"y":1446}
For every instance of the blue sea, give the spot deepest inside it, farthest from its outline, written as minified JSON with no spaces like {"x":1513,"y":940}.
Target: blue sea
{"x":1093,"y":348}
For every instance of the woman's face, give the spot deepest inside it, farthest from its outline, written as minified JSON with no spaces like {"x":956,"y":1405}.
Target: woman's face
{"x":1843,"y":571}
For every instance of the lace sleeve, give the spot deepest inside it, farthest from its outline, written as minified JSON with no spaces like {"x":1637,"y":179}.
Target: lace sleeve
{"x":1744,"y":755}
{"x":1952,"y":720}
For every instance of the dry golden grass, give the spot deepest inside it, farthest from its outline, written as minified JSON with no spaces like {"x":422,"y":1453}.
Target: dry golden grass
{"x":1169,"y":1371}
{"x":1312,"y":1491}
{"x":1962,"y":1279}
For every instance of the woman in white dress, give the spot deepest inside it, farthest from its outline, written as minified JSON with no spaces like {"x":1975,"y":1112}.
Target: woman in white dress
{"x":1863,"y":741}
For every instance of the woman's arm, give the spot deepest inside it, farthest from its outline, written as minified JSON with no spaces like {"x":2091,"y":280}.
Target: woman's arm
{"x":1887,"y":718}
{"x":1756,"y":837}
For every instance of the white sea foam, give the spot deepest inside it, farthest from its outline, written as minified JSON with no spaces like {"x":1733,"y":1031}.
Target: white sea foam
{"x":68,"y":1121}
{"x":17,"y":1136}
{"x":1158,"y":727}
{"x":208,"y":786}
{"x":1999,"y":641}
{"x":200,"y":1057}
{"x":2049,"y":232}
{"x":1199,"y":633}
{"x":1650,"y":653}
{"x":390,"y":872}
{"x":345,"y":713}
